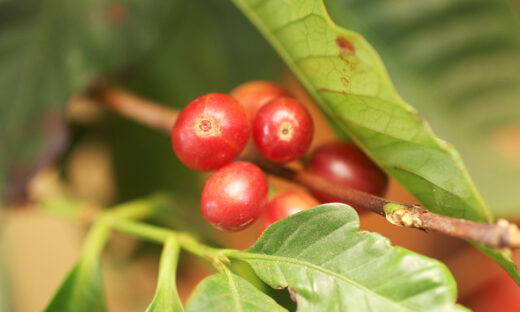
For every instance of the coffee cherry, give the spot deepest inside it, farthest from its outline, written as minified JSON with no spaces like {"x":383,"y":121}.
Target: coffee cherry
{"x":286,"y":204}
{"x":234,"y":196}
{"x":210,"y":132}
{"x":282,"y":130}
{"x":345,"y":164}
{"x":255,"y":94}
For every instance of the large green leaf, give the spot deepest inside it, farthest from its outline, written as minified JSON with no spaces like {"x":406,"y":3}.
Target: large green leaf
{"x":329,"y":266}
{"x":347,"y":79}
{"x":229,"y":292}
{"x":459,"y":63}
{"x":49,"y":49}
{"x":166,"y":298}
{"x":82,"y":290}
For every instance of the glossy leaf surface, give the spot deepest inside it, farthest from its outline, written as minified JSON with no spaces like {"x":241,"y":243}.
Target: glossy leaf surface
{"x":229,"y":292}
{"x":329,"y":266}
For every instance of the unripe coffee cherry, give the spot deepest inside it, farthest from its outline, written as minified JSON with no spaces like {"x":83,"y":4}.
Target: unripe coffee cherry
{"x":234,"y":196}
{"x":255,"y":94}
{"x":345,"y":164}
{"x":210,"y":132}
{"x":282,"y":130}
{"x":286,"y":204}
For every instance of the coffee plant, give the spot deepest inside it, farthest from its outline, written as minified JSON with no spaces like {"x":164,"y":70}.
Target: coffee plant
{"x":213,"y":64}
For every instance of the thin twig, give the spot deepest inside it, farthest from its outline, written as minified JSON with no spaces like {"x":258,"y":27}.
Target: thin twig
{"x":501,"y":234}
{"x":134,"y":107}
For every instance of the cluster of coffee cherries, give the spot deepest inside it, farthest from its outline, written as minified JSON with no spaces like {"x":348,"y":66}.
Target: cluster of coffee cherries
{"x":214,"y":129}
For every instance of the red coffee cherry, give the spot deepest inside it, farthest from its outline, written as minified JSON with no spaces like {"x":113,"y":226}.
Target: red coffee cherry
{"x":255,"y":94}
{"x":286,"y":204}
{"x":234,"y":196}
{"x":282,"y":130}
{"x":210,"y":132}
{"x":345,"y":164}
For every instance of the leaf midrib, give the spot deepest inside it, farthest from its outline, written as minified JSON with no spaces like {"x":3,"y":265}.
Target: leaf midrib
{"x":264,"y":257}
{"x":234,"y":291}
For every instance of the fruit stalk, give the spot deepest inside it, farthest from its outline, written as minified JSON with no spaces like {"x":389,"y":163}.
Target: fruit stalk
{"x":501,"y":234}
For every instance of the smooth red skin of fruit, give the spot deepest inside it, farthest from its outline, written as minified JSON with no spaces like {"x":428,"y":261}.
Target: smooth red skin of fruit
{"x":345,"y":164}
{"x":255,"y":94}
{"x":282,"y":130}
{"x":286,"y":204}
{"x":234,"y":196}
{"x":210,"y":132}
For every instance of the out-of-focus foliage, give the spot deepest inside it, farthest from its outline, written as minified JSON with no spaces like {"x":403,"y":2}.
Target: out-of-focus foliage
{"x":169,"y":51}
{"x":458,"y":62}
{"x":50,"y":49}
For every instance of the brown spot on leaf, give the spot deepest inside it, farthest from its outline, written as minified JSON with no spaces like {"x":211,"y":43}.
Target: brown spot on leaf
{"x":294,"y":297}
{"x":332,"y":91}
{"x":345,"y":46}
{"x":345,"y":81}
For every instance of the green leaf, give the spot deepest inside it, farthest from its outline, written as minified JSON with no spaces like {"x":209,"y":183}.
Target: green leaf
{"x":329,"y":266}
{"x":229,"y":292}
{"x":82,"y":290}
{"x":453,"y":59}
{"x":50,"y":49}
{"x":347,"y":79}
{"x":166,"y":298}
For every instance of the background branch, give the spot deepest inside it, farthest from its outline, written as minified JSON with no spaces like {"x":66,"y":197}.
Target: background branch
{"x":502,"y":234}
